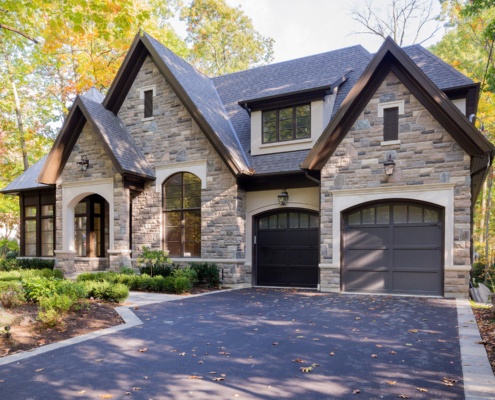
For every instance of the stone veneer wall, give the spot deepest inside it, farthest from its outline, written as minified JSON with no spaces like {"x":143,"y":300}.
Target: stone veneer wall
{"x":172,"y":137}
{"x":427,"y":154}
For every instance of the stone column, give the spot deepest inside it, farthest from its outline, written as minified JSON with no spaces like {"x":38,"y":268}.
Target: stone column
{"x":64,"y":261}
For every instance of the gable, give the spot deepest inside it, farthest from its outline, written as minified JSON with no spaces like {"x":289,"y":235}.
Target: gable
{"x":390,"y":58}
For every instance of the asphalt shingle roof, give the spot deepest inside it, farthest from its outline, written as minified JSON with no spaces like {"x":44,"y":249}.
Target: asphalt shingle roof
{"x":118,"y":139}
{"x":27,"y":180}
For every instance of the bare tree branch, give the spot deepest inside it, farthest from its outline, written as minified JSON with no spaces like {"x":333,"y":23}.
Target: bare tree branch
{"x":403,"y":20}
{"x":12,"y":29}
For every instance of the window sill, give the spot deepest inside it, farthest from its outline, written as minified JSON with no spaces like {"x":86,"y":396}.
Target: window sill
{"x":390,"y":143}
{"x":285,"y":143}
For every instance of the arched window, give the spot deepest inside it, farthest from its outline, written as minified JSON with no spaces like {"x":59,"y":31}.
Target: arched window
{"x":182,"y":215}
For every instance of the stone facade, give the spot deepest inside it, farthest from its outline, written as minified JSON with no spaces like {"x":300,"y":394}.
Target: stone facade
{"x":171,"y":137}
{"x":424,"y":154}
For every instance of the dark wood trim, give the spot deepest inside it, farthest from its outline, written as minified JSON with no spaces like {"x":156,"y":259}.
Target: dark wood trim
{"x":290,"y":180}
{"x":287,"y":99}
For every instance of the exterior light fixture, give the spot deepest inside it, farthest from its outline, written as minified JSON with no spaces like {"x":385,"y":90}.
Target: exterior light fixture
{"x":283,"y":198}
{"x":389,"y":165}
{"x":83,"y":162}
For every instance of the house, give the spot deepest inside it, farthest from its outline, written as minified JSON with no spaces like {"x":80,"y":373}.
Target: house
{"x":343,"y":171}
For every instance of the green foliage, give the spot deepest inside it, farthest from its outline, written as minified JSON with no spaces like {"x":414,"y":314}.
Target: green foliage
{"x":162,"y":270}
{"x":38,"y":287}
{"x":218,"y":32}
{"x":35,"y":263}
{"x":127,"y":271}
{"x":11,"y":294}
{"x":8,"y":264}
{"x":8,"y":247}
{"x":207,"y":273}
{"x":53,"y":308}
{"x":153,"y":258}
{"x":105,"y":290}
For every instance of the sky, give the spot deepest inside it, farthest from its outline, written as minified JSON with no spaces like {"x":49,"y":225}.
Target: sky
{"x":306,"y":27}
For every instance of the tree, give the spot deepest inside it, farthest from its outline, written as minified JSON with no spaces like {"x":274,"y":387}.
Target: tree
{"x":223,"y":38}
{"x":406,"y":21}
{"x":468,"y":48}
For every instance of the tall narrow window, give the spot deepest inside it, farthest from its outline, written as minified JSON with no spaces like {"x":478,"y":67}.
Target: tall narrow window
{"x":391,"y":124}
{"x":38,"y":224}
{"x":89,"y":227}
{"x":148,"y":103}
{"x":182,"y":215}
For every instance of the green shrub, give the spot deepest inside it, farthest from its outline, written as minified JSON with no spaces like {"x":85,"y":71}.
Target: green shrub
{"x":207,"y":273}
{"x":53,"y":308}
{"x":8,"y":247}
{"x":35,"y":263}
{"x":152,"y":258}
{"x":159,"y":269}
{"x":8,"y":264}
{"x":127,"y":271}
{"x":182,"y":284}
{"x":11,"y":294}
{"x":74,"y":290}
{"x":187,"y":272}
{"x":38,"y":287}
{"x":106,"y":290}
{"x":10,"y":276}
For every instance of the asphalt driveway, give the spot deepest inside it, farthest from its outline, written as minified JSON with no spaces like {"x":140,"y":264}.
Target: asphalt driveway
{"x":257,"y":344}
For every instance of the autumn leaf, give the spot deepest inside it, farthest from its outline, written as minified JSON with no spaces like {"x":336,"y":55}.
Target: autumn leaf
{"x":374,"y":356}
{"x":306,"y":369}
{"x":422,"y":389}
{"x":391,"y":382}
{"x":413,"y":330}
{"x":195,"y":377}
{"x":182,"y":354}
{"x":356,"y":391}
{"x":105,"y":396}
{"x":275,"y":344}
{"x":403,"y":396}
{"x":449,"y":381}
{"x":298,"y":360}
{"x":331,"y":354}
{"x":218,"y":379}
{"x":393,"y":352}
{"x":143,"y":350}
{"x":136,"y":389}
{"x":39,"y":370}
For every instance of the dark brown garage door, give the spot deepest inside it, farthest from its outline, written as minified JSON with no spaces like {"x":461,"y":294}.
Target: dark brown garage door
{"x":393,"y":248}
{"x":286,"y":244}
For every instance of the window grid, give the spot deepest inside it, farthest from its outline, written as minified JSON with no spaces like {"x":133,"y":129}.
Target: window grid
{"x":289,"y":123}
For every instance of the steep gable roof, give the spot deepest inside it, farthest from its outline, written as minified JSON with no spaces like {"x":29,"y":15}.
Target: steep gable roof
{"x":195,"y":90}
{"x":118,"y":143}
{"x":27,"y":180}
{"x":391,"y":58}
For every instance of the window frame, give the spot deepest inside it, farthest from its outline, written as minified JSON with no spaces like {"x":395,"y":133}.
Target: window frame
{"x":183,"y":212}
{"x":390,"y":124}
{"x":148,"y":103}
{"x":90,"y":215}
{"x":278,"y":120}
{"x":37,"y":200}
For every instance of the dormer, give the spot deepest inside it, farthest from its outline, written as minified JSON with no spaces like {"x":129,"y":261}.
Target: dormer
{"x":290,"y":121}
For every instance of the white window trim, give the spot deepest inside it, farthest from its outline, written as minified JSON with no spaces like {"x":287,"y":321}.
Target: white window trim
{"x":163,"y":172}
{"x":72,"y":194}
{"x":141,"y":97}
{"x":390,"y":104}
{"x":439,"y":194}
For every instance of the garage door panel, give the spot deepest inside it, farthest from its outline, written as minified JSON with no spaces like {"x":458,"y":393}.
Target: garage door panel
{"x":417,"y":260}
{"x":367,"y":281}
{"x":366,"y":259}
{"x":367,"y":236}
{"x":403,"y":255}
{"x":417,"y":282}
{"x":416,"y":235}
{"x":287,"y":253}
{"x":273,"y":256}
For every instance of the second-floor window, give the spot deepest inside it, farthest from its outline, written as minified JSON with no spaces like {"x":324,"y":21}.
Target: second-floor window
{"x":289,"y":123}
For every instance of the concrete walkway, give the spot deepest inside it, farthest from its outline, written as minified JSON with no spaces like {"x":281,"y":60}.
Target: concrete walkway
{"x":277,"y":323}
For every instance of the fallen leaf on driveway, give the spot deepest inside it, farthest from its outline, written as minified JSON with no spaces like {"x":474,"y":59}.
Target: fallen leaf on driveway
{"x":195,"y":377}
{"x":403,"y":396}
{"x":298,"y":360}
{"x":39,"y":370}
{"x":413,"y":330}
{"x":393,"y":352}
{"x":105,"y":396}
{"x":136,"y":389}
{"x":449,"y":382}
{"x":219,"y":379}
{"x":182,"y":354}
{"x":422,"y":389}
{"x":331,"y":354}
{"x":143,"y":350}
{"x":356,"y":391}
{"x":374,"y":356}
{"x":391,"y":382}
{"x":306,"y":369}
{"x":81,"y":391}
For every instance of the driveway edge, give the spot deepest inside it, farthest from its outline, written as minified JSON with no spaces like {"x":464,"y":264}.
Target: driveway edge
{"x":479,"y":381}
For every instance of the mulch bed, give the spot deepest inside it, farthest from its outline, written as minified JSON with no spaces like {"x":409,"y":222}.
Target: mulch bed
{"x":486,"y":325}
{"x":27,"y":333}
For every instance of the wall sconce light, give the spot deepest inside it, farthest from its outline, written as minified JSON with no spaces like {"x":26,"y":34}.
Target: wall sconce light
{"x":389,"y":165}
{"x":283,"y":198}
{"x":83,"y":162}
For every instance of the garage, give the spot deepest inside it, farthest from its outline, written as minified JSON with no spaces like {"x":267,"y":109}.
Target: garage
{"x":393,"y":247}
{"x":286,"y":248}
